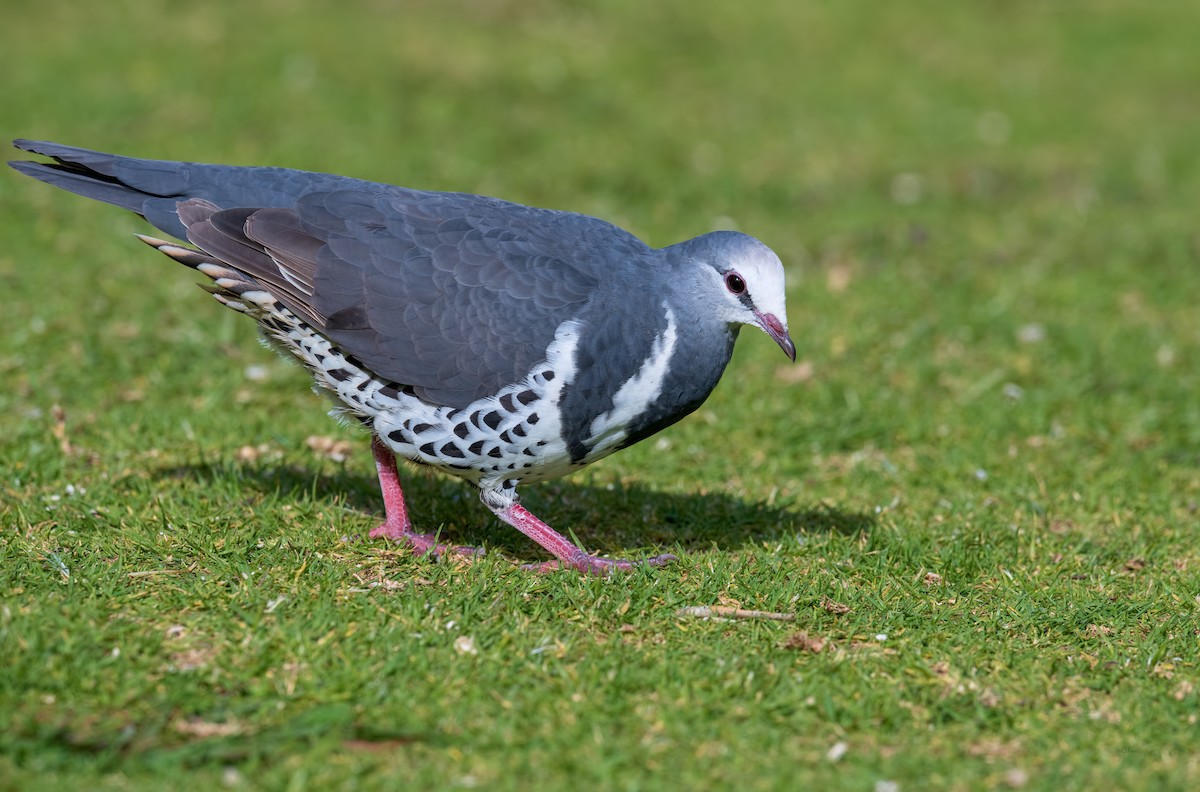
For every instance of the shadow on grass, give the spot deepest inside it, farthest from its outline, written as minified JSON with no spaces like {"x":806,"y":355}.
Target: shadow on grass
{"x":53,"y":738}
{"x":606,"y":518}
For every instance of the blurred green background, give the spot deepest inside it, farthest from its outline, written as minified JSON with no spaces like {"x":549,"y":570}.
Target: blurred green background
{"x":977,"y":489}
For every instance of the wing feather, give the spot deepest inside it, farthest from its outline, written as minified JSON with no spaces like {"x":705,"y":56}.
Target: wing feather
{"x":450,"y":294}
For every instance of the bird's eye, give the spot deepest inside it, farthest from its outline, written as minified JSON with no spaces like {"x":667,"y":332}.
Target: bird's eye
{"x":734,"y":283}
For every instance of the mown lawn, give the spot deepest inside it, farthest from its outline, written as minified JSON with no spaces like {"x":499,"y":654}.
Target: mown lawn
{"x":977,"y":491}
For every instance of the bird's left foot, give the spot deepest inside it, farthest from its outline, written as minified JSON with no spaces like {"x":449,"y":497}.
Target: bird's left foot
{"x":422,"y":544}
{"x":396,"y":526}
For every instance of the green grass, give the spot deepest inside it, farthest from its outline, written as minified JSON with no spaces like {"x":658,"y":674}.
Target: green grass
{"x":977,"y":492}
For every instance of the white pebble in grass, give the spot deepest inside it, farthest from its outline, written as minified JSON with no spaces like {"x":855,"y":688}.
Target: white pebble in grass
{"x":887,"y":786}
{"x":981,"y":474}
{"x":465,"y":644}
{"x":836,"y":751}
{"x":1031,"y":333}
{"x":1016,"y":778}
{"x":881,"y":637}
{"x":1012,"y":390}
{"x":256,"y":373}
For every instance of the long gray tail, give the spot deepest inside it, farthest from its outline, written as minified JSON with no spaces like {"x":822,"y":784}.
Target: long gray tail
{"x":154,"y":188}
{"x":149,"y":187}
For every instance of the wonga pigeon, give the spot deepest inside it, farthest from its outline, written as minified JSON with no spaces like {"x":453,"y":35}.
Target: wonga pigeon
{"x":496,"y":342}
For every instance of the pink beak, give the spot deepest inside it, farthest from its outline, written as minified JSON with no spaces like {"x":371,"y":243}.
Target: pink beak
{"x":775,"y":329}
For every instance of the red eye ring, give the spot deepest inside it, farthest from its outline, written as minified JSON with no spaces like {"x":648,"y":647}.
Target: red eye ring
{"x":734,"y":283}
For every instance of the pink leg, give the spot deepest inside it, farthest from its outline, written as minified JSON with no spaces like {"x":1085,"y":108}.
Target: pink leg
{"x":396,"y":525}
{"x":565,"y":553}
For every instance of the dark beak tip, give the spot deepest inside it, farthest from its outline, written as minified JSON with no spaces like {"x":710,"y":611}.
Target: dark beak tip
{"x":778,"y":333}
{"x":788,"y":347}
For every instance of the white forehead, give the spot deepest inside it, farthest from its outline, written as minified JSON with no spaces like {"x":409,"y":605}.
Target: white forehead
{"x":763,"y":272}
{"x":758,"y":262}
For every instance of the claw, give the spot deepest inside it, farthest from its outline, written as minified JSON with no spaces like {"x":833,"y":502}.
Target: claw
{"x":566,"y":554}
{"x":595,"y":565}
{"x":396,"y":526}
{"x":424,"y":544}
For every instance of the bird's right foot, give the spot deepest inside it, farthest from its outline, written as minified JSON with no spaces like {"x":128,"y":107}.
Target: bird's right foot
{"x":597,"y":565}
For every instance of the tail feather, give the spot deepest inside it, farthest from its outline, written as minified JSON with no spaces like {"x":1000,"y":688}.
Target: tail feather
{"x":158,"y":178}
{"x":199,"y":260}
{"x":89,"y":185}
{"x":155,"y":188}
{"x":230,"y":287}
{"x":71,"y":155}
{"x":150,"y":188}
{"x":183,"y":197}
{"x":191,"y":257}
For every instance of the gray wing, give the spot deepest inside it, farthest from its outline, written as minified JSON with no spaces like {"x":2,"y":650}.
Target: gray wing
{"x":454,"y":295}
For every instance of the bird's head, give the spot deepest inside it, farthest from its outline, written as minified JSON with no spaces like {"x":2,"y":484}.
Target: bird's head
{"x":743,"y":278}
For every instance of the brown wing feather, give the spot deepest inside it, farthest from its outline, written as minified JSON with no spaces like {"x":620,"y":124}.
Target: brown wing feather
{"x":223,"y":233}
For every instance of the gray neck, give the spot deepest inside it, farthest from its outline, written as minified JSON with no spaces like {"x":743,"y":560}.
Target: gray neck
{"x":621,"y":330}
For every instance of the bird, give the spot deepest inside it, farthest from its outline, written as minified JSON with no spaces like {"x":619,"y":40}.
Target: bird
{"x":499,"y":343}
